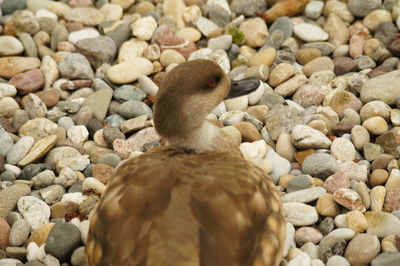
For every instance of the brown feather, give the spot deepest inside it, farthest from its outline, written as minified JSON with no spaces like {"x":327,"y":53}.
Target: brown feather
{"x":182,"y":209}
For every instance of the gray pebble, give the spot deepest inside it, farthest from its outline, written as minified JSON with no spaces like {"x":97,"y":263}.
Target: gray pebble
{"x":6,"y":142}
{"x":386,"y":259}
{"x":30,"y":171}
{"x":75,"y":66}
{"x":249,"y":7}
{"x":110,"y":159}
{"x":9,"y":6}
{"x":67,"y":106}
{"x":132,"y":109}
{"x":43,"y":179}
{"x":129,"y":92}
{"x":52,"y":194}
{"x":66,"y":122}
{"x":7,"y":176}
{"x":63,"y":239}
{"x":58,"y":34}
{"x":84,"y":115}
{"x":29,"y":44}
{"x":101,"y":53}
{"x":78,"y":257}
{"x":298,"y":183}
{"x":319,"y":165}
{"x":112,"y":133}
{"x":19,"y":233}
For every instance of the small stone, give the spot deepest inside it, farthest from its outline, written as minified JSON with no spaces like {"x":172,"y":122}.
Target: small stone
{"x":85,"y":33}
{"x":376,"y":50}
{"x":349,"y":199}
{"x":223,"y":42}
{"x":319,"y":165}
{"x":10,"y":46}
{"x":101,"y":53}
{"x":342,"y":149}
{"x":66,"y":178}
{"x":336,"y":181}
{"x":362,"y":249}
{"x":39,"y":149}
{"x":63,"y":239}
{"x":85,"y":15}
{"x":144,"y":28}
{"x":129,"y":71}
{"x":313,"y":9}
{"x":376,"y":125}
{"x":4,"y":233}
{"x":307,"y":234}
{"x":377,"y":196}
{"x":170,"y":56}
{"x":372,"y":151}
{"x":255,"y":31}
{"x":305,"y":137}
{"x":13,"y":65}
{"x":78,"y":257}
{"x":19,"y":233}
{"x":337,"y":261}
{"x":392,"y":200}
{"x":387,"y":93}
{"x":290,"y":86}
{"x":263,"y":57}
{"x":359,"y":136}
{"x":36,"y":212}
{"x":318,"y":64}
{"x":356,"y":221}
{"x":75,"y":66}
{"x":343,"y":65}
{"x":362,"y":8}
{"x":304,"y":195}
{"x":386,"y":259}
{"x":19,"y":150}
{"x":382,"y":224}
{"x":248,"y":131}
{"x":300,"y":214}
{"x":327,"y":206}
{"x":310,"y":33}
{"x":77,"y":134}
{"x":306,"y":55}
{"x":28,"y":82}
{"x":308,"y":95}
{"x":389,"y":140}
{"x":43,"y":179}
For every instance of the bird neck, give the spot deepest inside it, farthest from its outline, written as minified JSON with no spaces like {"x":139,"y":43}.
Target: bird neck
{"x":201,"y":139}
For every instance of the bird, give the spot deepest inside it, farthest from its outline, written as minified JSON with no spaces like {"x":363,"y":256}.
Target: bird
{"x":194,"y":201}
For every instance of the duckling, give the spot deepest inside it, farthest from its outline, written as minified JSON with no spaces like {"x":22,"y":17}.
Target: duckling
{"x":194,"y":202}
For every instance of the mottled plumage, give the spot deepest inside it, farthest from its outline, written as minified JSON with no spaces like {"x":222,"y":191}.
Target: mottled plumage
{"x":196,"y":202}
{"x":168,"y":207}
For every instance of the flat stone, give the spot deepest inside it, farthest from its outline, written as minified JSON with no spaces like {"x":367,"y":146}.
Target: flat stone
{"x":319,"y":165}
{"x":85,"y":15}
{"x":310,"y":33}
{"x":41,"y":148}
{"x":382,"y":224}
{"x":98,"y":102}
{"x":10,"y":46}
{"x":349,"y":199}
{"x":13,"y":65}
{"x":305,"y":195}
{"x":101,"y":53}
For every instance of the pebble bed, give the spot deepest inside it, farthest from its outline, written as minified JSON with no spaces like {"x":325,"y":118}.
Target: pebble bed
{"x":77,"y":84}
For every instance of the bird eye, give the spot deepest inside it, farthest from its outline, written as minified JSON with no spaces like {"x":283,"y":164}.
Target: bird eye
{"x":213,"y":83}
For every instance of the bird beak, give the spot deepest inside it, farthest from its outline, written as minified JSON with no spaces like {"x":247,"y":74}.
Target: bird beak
{"x":243,"y":87}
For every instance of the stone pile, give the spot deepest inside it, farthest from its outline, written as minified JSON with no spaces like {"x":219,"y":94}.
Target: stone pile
{"x":77,"y":84}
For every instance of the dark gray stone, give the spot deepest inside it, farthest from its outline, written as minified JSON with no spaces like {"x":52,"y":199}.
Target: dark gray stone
{"x":63,"y":239}
{"x":103,"y":52}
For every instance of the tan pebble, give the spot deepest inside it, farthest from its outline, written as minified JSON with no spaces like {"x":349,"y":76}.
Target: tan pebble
{"x":306,"y":55}
{"x":284,"y":146}
{"x":376,"y":125}
{"x":285,"y":179}
{"x":62,"y":208}
{"x":293,"y":253}
{"x":317,"y":182}
{"x":377,"y":196}
{"x":337,"y":29}
{"x":356,"y":221}
{"x":102,"y":172}
{"x":326,"y":206}
{"x":264,"y":57}
{"x":378,"y":177}
{"x":301,"y":155}
{"x":189,"y":33}
{"x":233,"y":134}
{"x":170,"y":56}
{"x":247,"y":51}
{"x":318,"y":64}
{"x":280,"y":74}
{"x":39,"y":236}
{"x":319,"y":125}
{"x":376,"y":17}
{"x":258,"y":111}
{"x":99,"y":138}
{"x":248,"y":131}
{"x":388,"y":244}
{"x":255,"y":31}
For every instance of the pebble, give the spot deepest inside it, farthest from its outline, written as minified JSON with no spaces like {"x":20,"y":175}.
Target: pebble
{"x":318,"y":64}
{"x":255,"y":32}
{"x":144,"y":28}
{"x":19,"y":149}
{"x":102,"y":53}
{"x":305,"y":195}
{"x":10,"y":46}
{"x":62,"y":240}
{"x":84,"y":33}
{"x":382,"y":224}
{"x":75,"y":66}
{"x":362,"y":249}
{"x":356,"y":221}
{"x":327,"y":206}
{"x":39,"y":149}
{"x":19,"y":233}
{"x":386,"y":259}
{"x":129,"y":71}
{"x":310,"y":33}
{"x":362,"y":8}
{"x":342,"y":149}
{"x":305,"y":137}
{"x":300,"y":214}
{"x":77,"y":134}
{"x":36,"y":212}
